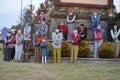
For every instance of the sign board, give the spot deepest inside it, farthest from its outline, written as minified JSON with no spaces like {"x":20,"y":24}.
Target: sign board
{"x":85,"y":3}
{"x":94,"y":2}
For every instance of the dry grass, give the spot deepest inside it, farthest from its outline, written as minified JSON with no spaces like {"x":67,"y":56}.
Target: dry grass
{"x":34,"y":71}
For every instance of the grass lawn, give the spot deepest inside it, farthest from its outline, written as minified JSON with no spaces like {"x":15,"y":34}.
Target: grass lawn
{"x":34,"y":71}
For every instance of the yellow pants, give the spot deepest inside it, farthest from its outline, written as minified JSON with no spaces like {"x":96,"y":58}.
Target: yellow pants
{"x":74,"y":53}
{"x":57,"y":55}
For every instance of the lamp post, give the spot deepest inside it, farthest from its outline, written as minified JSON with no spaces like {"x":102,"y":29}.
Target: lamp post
{"x":31,"y":2}
{"x":21,"y":11}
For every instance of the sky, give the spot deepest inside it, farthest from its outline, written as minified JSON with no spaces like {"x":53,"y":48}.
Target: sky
{"x":10,"y":11}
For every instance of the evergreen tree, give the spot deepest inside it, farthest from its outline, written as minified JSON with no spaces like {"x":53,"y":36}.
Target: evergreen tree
{"x":44,"y":7}
{"x":28,"y":17}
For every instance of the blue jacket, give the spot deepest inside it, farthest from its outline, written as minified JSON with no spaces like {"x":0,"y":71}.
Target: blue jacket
{"x":95,"y":21}
{"x":44,"y":49}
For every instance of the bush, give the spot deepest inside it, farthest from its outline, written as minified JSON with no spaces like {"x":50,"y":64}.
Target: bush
{"x":119,"y":54}
{"x":84,"y":50}
{"x":0,"y":49}
{"x":106,"y":50}
{"x":65,"y":49}
{"x":50,"y":48}
{"x":1,"y":41}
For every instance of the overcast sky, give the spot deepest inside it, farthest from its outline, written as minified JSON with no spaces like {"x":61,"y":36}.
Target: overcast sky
{"x":10,"y":10}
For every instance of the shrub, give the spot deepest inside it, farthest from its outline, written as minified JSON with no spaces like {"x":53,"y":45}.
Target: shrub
{"x":84,"y":50}
{"x":106,"y":50}
{"x":50,"y":48}
{"x":1,"y":41}
{"x":65,"y":49}
{"x":119,"y":54}
{"x":0,"y":49}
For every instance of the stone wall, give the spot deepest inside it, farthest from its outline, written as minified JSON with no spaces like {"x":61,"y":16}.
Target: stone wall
{"x":56,"y":21}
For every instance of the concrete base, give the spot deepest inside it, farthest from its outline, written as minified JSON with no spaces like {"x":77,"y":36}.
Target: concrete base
{"x":80,"y":60}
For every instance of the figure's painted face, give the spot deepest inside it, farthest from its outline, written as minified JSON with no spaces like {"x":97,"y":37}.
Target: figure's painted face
{"x":61,"y":23}
{"x":42,"y":12}
{"x":99,"y":28}
{"x":43,"y":23}
{"x":71,"y":13}
{"x":115,"y":26}
{"x":13,"y":31}
{"x":75,"y":31}
{"x":95,"y":14}
{"x":110,"y":15}
{"x":8,"y":34}
{"x":81,"y":26}
{"x":30,"y":39}
{"x":19,"y":32}
{"x":56,"y":30}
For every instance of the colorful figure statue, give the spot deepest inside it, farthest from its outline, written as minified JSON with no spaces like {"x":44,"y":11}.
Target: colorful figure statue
{"x":64,"y":29}
{"x":110,"y":24}
{"x":82,"y":30}
{"x":8,"y":45}
{"x":75,"y":37}
{"x":71,"y":23}
{"x":98,"y":40}
{"x":43,"y":27}
{"x":115,"y":33}
{"x":36,"y":43}
{"x":41,"y":17}
{"x":19,"y":45}
{"x":44,"y":50}
{"x":57,"y":42}
{"x":95,"y":21}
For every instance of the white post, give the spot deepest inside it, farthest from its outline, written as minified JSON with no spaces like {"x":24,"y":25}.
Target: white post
{"x":21,"y":11}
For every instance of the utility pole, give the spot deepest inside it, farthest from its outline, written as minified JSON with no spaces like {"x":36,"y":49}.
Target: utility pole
{"x":31,"y":2}
{"x":21,"y":11}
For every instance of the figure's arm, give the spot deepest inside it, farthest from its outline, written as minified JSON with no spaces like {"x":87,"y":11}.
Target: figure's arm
{"x":46,"y":29}
{"x":33,"y":39}
{"x":60,"y":39}
{"x":112,"y":34}
{"x":118,"y":33}
{"x":68,"y":19}
{"x":73,"y":19}
{"x":98,"y":20}
{"x":77,"y":39}
{"x":29,"y":30}
{"x":92,"y":20}
{"x":53,"y":38}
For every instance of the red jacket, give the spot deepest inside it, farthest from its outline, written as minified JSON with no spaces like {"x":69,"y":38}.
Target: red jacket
{"x":39,"y":38}
{"x":14,"y":38}
{"x":98,"y":35}
{"x":63,"y":28}
{"x":75,"y":40}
